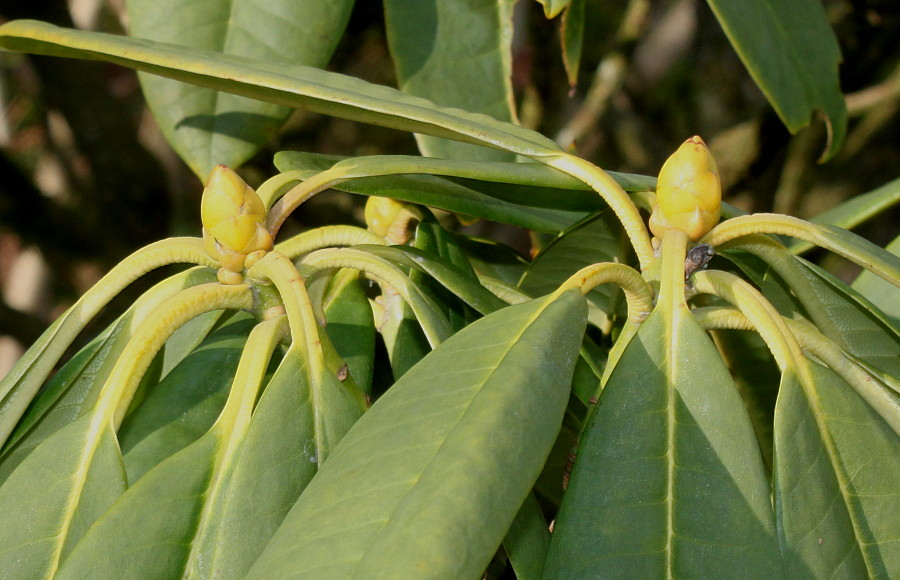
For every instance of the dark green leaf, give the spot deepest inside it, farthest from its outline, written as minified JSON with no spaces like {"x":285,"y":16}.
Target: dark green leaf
{"x":668,"y":480}
{"x":793,"y":55}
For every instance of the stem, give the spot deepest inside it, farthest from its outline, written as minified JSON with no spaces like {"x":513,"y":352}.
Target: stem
{"x":842,"y":242}
{"x":869,"y":387}
{"x":638,"y":294}
{"x":327,"y":237}
{"x":280,"y":271}
{"x":37,"y":363}
{"x":434,"y":323}
{"x":116,"y":394}
{"x":613,"y":194}
{"x":786,"y":265}
{"x":234,"y":420}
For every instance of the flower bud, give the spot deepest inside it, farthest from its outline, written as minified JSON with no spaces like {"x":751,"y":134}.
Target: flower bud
{"x":688,"y":192}
{"x":390,"y":218}
{"x":234,"y":219}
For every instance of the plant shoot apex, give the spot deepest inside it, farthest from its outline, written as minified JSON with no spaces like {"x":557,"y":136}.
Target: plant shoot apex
{"x":688,"y":192}
{"x":234,"y":222}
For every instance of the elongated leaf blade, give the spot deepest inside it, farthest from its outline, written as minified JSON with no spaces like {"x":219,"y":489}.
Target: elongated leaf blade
{"x":278,"y":83}
{"x":63,"y":399}
{"x":184,"y":405}
{"x":453,"y":451}
{"x":42,"y":523}
{"x":878,"y":291}
{"x":854,"y":211}
{"x":206,"y":127}
{"x":836,"y":507}
{"x":793,"y":55}
{"x":456,"y":54}
{"x":350,"y":326}
{"x":668,"y":480}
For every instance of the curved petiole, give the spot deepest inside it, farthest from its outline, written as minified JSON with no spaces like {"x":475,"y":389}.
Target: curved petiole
{"x":327,"y":237}
{"x":866,"y":384}
{"x":842,"y":242}
{"x":434,"y":323}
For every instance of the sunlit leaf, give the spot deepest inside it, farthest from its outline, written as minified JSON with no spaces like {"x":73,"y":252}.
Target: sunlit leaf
{"x":456,"y":54}
{"x":451,"y":454}
{"x":206,"y":127}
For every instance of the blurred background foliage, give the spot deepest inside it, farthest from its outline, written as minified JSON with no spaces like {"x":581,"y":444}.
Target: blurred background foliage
{"x":86,"y":177}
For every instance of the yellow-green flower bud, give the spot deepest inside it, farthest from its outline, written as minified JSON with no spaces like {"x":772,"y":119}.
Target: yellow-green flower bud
{"x":688,"y":192}
{"x":234,"y":219}
{"x":390,"y":218}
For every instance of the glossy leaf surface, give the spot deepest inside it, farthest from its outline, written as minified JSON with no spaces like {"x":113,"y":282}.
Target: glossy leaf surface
{"x":836,"y":486}
{"x":454,"y":451}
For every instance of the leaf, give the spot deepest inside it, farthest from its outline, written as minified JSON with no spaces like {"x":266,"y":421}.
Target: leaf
{"x":553,"y":7}
{"x":879,"y":292}
{"x":572,"y":39}
{"x":184,"y":405}
{"x":530,"y":184}
{"x":207,"y":128}
{"x":668,"y":480}
{"x":435,"y":192}
{"x":74,"y":389}
{"x":854,"y":211}
{"x":595,"y":239}
{"x":792,"y":54}
{"x":150,"y":531}
{"x":456,"y":54}
{"x":527,"y":540}
{"x":50,"y":500}
{"x":350,"y":326}
{"x":450,"y":450}
{"x":71,"y":478}
{"x":860,"y":329}
{"x":22,"y":382}
{"x":836,"y":492}
{"x":291,"y":85}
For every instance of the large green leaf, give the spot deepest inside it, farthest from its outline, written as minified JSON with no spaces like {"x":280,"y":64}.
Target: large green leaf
{"x":70,"y":479}
{"x":793,"y":55}
{"x":76,"y":386}
{"x":206,"y":127}
{"x":837,"y":481}
{"x":278,"y":83}
{"x":668,"y":480}
{"x":278,"y":459}
{"x":456,"y":53}
{"x":148,"y":532}
{"x":42,"y":516}
{"x":427,"y":483}
{"x":186,"y":403}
